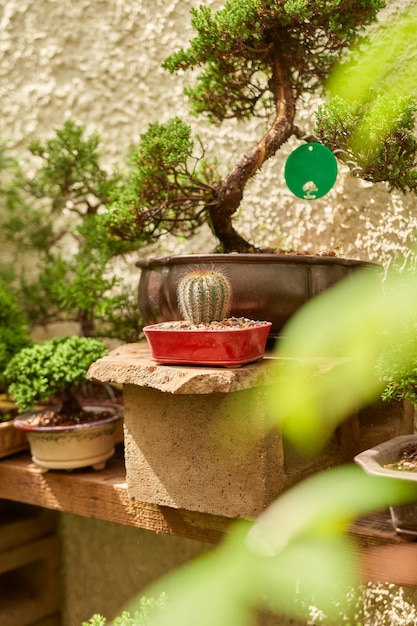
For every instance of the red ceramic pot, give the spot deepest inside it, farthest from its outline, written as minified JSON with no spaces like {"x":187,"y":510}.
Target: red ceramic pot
{"x":227,"y":347}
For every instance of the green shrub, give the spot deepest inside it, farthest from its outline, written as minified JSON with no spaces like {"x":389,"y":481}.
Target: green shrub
{"x":141,"y":617}
{"x":52,"y":368}
{"x":14,"y":333}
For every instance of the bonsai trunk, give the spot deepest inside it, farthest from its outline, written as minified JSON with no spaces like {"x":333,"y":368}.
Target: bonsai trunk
{"x":70,"y":405}
{"x":87,"y":325}
{"x":231,"y":189}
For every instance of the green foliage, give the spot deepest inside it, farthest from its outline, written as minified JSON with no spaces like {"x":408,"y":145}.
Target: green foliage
{"x":378,"y":83}
{"x":296,"y":553}
{"x":51,"y":368}
{"x":400,"y":378}
{"x":142,"y":616}
{"x":252,"y":58}
{"x":71,"y":253}
{"x":70,"y":173}
{"x":14,"y":333}
{"x":10,"y":194}
{"x":204,"y":296}
{"x":235,"y":46}
{"x":162,"y":192}
{"x":401,"y":385}
{"x":394,"y":161}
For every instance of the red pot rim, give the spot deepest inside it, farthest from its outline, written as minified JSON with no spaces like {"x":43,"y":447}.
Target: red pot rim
{"x":162,"y":328}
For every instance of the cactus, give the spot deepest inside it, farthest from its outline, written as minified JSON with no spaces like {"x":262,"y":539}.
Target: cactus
{"x":204,"y":296}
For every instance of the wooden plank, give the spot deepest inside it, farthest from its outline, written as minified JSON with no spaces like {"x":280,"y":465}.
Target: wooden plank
{"x":102,"y":495}
{"x":376,"y":529}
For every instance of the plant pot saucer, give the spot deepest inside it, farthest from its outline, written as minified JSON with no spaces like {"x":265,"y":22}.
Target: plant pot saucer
{"x":374,"y":460}
{"x":223,"y":347}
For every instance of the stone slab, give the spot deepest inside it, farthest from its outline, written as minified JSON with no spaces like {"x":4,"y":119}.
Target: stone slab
{"x":132,"y":364}
{"x":199,"y":438}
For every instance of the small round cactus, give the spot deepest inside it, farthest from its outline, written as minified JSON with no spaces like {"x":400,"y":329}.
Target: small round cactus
{"x":204,"y":295}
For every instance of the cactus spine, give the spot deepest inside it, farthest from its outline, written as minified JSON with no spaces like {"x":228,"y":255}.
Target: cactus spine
{"x":204,"y":296}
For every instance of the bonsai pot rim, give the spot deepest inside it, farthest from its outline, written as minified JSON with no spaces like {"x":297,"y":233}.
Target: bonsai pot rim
{"x":22,"y":421}
{"x":252,"y":257}
{"x":403,"y":516}
{"x":373,"y":460}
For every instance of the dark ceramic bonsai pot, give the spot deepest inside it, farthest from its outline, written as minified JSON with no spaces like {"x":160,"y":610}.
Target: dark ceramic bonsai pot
{"x":373,"y":461}
{"x":268,"y":287}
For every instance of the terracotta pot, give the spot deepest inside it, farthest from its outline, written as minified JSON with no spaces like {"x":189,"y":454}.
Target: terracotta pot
{"x":70,"y":447}
{"x":268,"y":287}
{"x":11,"y":440}
{"x":224,"y":347}
{"x":404,"y":516}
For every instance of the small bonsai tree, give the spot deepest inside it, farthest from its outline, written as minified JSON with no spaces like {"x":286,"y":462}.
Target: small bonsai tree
{"x":56,"y":223}
{"x":53,"y":368}
{"x":254,"y":58}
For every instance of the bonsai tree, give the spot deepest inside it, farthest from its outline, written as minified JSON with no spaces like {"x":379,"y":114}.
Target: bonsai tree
{"x":56,"y":223}
{"x":53,"y":368}
{"x":253,"y":58}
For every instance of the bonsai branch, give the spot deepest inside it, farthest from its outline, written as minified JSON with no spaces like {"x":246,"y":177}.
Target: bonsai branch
{"x":231,"y":189}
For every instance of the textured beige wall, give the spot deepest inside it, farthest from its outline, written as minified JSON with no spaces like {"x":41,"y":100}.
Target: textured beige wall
{"x":98,"y":62}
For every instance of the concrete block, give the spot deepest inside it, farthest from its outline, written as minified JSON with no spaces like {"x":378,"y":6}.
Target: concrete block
{"x":214,"y":453}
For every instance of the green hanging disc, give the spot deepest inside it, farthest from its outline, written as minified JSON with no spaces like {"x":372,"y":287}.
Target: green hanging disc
{"x":311,"y":171}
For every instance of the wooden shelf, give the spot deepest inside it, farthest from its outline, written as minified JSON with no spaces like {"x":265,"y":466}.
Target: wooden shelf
{"x":101,"y":495}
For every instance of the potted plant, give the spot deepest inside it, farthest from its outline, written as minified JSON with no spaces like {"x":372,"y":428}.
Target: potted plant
{"x":397,"y":457}
{"x":258,"y":60}
{"x":66,"y":434}
{"x":14,"y":336}
{"x":207,"y":336}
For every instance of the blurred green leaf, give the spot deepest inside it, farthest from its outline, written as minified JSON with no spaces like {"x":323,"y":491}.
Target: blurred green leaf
{"x":295,"y":554}
{"x":327,"y":359}
{"x":386,"y":65}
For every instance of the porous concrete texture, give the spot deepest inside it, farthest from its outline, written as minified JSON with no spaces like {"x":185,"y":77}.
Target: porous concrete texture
{"x":106,"y":565}
{"x":201,"y":439}
{"x":209,"y":453}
